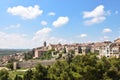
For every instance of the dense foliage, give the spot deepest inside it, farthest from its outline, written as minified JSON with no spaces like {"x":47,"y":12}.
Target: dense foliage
{"x":9,"y":66}
{"x":4,"y":74}
{"x":17,"y":77}
{"x":47,"y":55}
{"x":28,"y":55}
{"x":84,"y":67}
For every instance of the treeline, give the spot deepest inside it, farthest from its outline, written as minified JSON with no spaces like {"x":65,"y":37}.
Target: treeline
{"x":84,"y":67}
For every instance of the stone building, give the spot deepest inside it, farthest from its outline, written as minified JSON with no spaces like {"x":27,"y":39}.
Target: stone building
{"x":115,"y":48}
{"x":40,"y":50}
{"x":106,"y":48}
{"x":56,"y":47}
{"x":15,"y":65}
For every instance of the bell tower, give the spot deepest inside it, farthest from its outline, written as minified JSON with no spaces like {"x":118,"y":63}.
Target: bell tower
{"x":44,"y":44}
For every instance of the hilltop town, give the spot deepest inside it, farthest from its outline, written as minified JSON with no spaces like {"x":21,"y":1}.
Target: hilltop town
{"x":61,"y":51}
{"x":106,"y":48}
{"x":101,"y":59}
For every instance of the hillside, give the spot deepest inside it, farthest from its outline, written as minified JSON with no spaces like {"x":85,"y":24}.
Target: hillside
{"x":11,"y":51}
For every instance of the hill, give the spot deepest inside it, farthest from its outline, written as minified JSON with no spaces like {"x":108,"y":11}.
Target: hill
{"x":11,"y":51}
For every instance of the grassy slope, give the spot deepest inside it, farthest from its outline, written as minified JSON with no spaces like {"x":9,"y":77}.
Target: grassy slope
{"x":19,"y":72}
{"x":12,"y":74}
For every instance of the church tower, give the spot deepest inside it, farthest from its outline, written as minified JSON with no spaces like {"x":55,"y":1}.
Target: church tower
{"x":44,"y":44}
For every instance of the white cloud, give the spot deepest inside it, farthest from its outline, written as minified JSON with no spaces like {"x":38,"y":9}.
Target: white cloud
{"x":13,"y":26}
{"x":42,"y":34}
{"x":51,"y":14}
{"x":25,"y":12}
{"x":94,"y":21}
{"x":56,"y":40}
{"x":13,"y":40}
{"x":44,"y":31}
{"x":60,"y":21}
{"x":107,"y":30}
{"x":95,"y":16}
{"x":44,"y":23}
{"x":105,"y":38}
{"x":8,"y":40}
{"x":82,"y":35}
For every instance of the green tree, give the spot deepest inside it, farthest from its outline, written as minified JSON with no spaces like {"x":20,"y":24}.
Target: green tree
{"x":4,"y":74}
{"x":72,"y":51}
{"x":69,"y":58}
{"x":17,"y":77}
{"x":59,"y":71}
{"x":81,"y":67}
{"x":64,"y":50}
{"x":113,"y":74}
{"x":47,"y":55}
{"x":29,"y":55}
{"x":10,"y":66}
{"x":28,"y":75}
{"x":40,"y":73}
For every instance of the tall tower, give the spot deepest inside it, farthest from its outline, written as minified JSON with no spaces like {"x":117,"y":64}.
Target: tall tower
{"x":44,"y":44}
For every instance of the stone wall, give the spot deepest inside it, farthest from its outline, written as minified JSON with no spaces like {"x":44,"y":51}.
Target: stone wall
{"x":33,"y":63}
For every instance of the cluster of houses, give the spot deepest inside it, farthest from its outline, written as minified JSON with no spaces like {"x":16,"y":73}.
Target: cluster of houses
{"x":106,"y":48}
{"x":9,"y":58}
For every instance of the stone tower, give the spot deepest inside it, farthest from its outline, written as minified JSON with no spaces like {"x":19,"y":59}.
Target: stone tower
{"x":44,"y":44}
{"x":15,"y":65}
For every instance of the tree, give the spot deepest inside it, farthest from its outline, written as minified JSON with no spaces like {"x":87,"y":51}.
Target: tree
{"x":28,"y":75}
{"x":72,"y":51}
{"x":81,"y":67}
{"x":59,"y":71}
{"x":10,"y":66}
{"x":47,"y":55}
{"x":17,"y":77}
{"x":64,"y":50}
{"x":75,"y":76}
{"x":114,"y":75}
{"x":40,"y":73}
{"x":29,"y":55}
{"x":4,"y":74}
{"x":69,"y":58}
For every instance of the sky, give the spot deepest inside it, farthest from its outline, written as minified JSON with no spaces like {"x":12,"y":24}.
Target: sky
{"x":28,"y":23}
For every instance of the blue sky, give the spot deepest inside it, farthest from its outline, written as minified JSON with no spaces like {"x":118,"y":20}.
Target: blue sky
{"x":27,"y":23}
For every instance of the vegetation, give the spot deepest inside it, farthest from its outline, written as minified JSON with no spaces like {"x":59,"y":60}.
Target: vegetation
{"x":28,"y":55}
{"x":9,"y":66}
{"x":28,"y":75}
{"x":40,"y":73}
{"x":17,"y":77}
{"x":47,"y":55}
{"x":4,"y":74}
{"x":13,"y":74}
{"x":84,"y":67}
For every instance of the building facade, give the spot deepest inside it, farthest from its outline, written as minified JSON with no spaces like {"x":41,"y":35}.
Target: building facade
{"x":106,"y":48}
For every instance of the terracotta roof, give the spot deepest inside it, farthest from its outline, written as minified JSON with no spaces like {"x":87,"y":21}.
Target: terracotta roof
{"x":100,"y":44}
{"x":115,"y":45}
{"x":117,"y":40}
